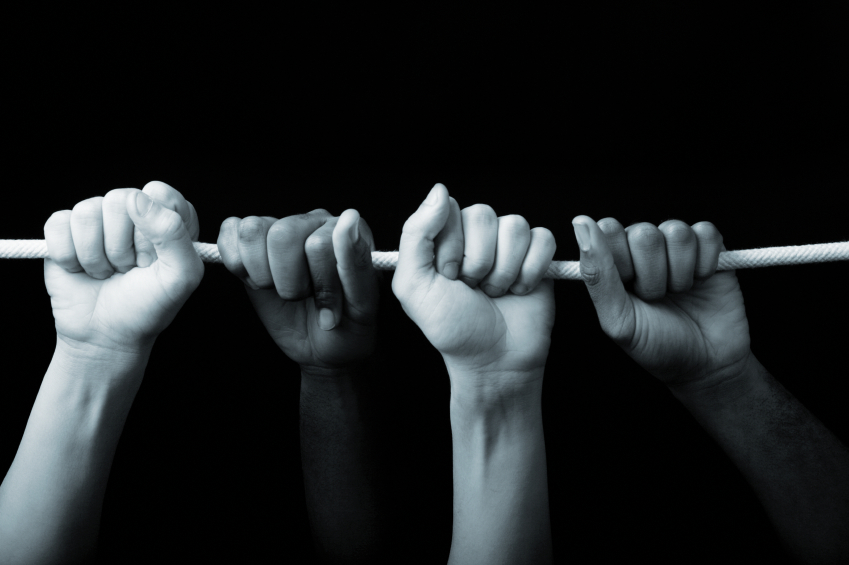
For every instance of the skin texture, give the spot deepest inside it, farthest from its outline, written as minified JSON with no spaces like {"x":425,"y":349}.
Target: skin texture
{"x":685,"y":324}
{"x":293,"y":269}
{"x":108,"y":313}
{"x":473,"y":283}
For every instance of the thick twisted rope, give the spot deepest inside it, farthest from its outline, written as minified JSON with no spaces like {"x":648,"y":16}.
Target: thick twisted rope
{"x":571,"y":270}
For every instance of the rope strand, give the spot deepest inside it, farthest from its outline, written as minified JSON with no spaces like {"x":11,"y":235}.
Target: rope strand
{"x":568,"y":270}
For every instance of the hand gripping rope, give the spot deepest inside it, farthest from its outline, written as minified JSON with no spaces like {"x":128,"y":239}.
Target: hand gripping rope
{"x":571,"y":270}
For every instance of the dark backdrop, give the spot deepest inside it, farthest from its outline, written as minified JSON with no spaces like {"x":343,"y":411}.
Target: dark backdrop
{"x":695,"y":112}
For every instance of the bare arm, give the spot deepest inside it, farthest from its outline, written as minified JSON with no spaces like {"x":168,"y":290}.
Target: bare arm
{"x":686,"y":324}
{"x":51,"y":498}
{"x":339,"y":460}
{"x":109,"y":304}
{"x":796,"y":466}
{"x":500,"y":481}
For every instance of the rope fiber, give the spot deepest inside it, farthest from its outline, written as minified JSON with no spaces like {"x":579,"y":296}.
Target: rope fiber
{"x":568,"y":270}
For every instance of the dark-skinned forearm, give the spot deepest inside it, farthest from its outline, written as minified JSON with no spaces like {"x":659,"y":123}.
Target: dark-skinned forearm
{"x":340,"y":466}
{"x":798,"y":469}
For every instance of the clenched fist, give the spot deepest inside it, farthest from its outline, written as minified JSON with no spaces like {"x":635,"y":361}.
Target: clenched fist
{"x":473,"y":282}
{"x":121,"y":266}
{"x":311,"y":280}
{"x":681,"y":320}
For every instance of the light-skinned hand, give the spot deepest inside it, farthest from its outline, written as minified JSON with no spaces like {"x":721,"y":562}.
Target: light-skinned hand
{"x":105,"y":295}
{"x":473,"y":282}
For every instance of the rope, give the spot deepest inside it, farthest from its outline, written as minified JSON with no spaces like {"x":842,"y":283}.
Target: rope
{"x":571,"y":270}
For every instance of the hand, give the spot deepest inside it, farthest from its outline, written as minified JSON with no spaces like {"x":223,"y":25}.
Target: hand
{"x":473,"y":283}
{"x":311,"y":280}
{"x":682,"y":321}
{"x":101,"y":296}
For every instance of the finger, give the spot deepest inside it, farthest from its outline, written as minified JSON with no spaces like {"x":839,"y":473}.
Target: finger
{"x":352,"y":248}
{"x":326,"y":285}
{"x":617,"y":242}
{"x":193,"y":225}
{"x":416,"y":249}
{"x":228,"y":248}
{"x":170,"y":198}
{"x":178,"y":266}
{"x":60,"y":243}
{"x":513,"y":239}
{"x":480,"y":234}
{"x":253,"y":249}
{"x":449,"y":243}
{"x":709,"y":245}
{"x":681,"y":249}
{"x":287,"y":258}
{"x":87,"y":231}
{"x":598,"y":270}
{"x":648,"y":252}
{"x":118,"y":230}
{"x":537,"y":260}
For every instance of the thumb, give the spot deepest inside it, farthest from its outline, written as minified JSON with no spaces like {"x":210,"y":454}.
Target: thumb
{"x":416,"y":249}
{"x":613,"y":305}
{"x":178,"y":264}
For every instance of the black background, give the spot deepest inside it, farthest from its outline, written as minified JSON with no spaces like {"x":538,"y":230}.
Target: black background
{"x":697,"y":112}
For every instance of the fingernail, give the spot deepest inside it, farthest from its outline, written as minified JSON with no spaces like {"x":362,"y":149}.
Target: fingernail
{"x":491,"y":290}
{"x":432,"y":196}
{"x":143,"y":203}
{"x":519,"y":289}
{"x":450,"y":270}
{"x":144,"y":259}
{"x":325,"y":319}
{"x":355,"y":233}
{"x":582,"y":234}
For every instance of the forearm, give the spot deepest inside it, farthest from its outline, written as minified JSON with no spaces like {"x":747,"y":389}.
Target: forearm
{"x":51,"y":497}
{"x":500,"y":481}
{"x":798,"y":469}
{"x":339,"y":466}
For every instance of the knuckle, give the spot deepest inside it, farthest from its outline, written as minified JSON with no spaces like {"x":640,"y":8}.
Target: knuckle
{"x":318,"y":244}
{"x":158,"y":190}
{"x":324,"y":297}
{"x":707,"y":232}
{"x":280,"y":229}
{"x":480,"y":214}
{"x":592,"y":275}
{"x":172,"y":223}
{"x":251,"y":229}
{"x":88,"y":211}
{"x":676,"y":231}
{"x":293,"y":294}
{"x":610,"y":225}
{"x":57,"y":220}
{"x":318,"y":212}
{"x":515,"y":223}
{"x":544,"y":235}
{"x":645,"y":234}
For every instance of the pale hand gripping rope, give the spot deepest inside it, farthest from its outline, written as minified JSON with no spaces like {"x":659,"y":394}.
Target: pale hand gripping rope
{"x":387,"y":260}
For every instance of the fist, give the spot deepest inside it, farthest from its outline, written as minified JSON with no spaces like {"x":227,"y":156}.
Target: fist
{"x":679,"y":319}
{"x":473,"y":282}
{"x":109,"y":292}
{"x":311,"y":281}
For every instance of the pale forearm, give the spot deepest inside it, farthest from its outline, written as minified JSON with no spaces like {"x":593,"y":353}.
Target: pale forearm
{"x":51,"y":497}
{"x":339,"y":465}
{"x":500,"y":482}
{"x":796,"y":466}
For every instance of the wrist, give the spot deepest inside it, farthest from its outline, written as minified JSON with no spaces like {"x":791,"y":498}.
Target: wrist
{"x":721,"y":388}
{"x":495,"y":390}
